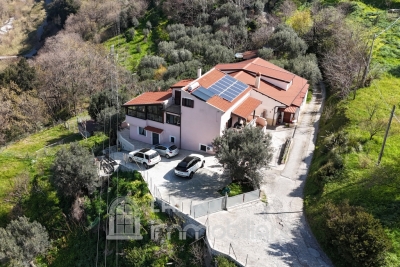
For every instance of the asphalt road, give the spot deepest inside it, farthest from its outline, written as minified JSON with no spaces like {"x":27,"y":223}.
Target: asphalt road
{"x":275,"y":234}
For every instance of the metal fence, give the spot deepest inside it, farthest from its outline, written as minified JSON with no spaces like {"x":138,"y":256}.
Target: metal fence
{"x":208,"y":207}
{"x":223,"y":203}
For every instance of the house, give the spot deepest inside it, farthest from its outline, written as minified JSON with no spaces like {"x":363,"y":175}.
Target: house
{"x":193,"y":112}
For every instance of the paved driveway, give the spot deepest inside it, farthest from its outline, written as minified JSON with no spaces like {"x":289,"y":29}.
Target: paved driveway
{"x":275,"y":234}
{"x":181,"y":192}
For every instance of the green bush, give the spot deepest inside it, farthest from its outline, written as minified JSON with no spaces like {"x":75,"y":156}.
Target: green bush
{"x":355,"y":235}
{"x":223,"y":262}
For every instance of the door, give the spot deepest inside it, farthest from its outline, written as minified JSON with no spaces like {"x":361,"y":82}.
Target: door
{"x":139,"y":157}
{"x":286,"y":117}
{"x":177,"y":97}
{"x":156,"y":138}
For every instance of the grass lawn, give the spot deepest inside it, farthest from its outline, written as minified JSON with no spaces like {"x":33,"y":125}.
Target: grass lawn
{"x":130,"y":53}
{"x":27,"y":156}
{"x":359,"y":182}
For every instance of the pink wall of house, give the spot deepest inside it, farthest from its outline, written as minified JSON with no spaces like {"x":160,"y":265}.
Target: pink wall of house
{"x":169,"y":130}
{"x":228,"y":114}
{"x":200,"y":125}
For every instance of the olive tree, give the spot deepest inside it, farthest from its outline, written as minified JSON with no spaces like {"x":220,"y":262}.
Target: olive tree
{"x":244,"y":153}
{"x":74,"y":171}
{"x":21,"y":241}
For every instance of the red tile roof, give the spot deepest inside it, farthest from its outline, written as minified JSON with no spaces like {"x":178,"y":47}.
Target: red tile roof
{"x":299,"y":99}
{"x":291,"y":109}
{"x":247,"y":70}
{"x":149,"y":98}
{"x":210,"y":78}
{"x":153,"y":129}
{"x":223,"y":104}
{"x":247,"y":107}
{"x":182,"y":83}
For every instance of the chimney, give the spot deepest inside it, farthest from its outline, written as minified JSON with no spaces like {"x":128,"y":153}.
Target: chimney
{"x":258,"y":80}
{"x":198,"y":72}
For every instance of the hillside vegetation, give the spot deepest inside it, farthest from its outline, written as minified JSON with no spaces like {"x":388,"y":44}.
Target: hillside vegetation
{"x":28,"y":15}
{"x":350,"y":140}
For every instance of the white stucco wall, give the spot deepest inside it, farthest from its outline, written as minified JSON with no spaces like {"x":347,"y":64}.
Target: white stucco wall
{"x":200,"y":124}
{"x":228,"y":113}
{"x":280,"y":84}
{"x":269,"y":105}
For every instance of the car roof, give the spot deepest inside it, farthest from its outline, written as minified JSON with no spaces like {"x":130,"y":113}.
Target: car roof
{"x":188,"y":159}
{"x":146,"y":151}
{"x":165,"y":144}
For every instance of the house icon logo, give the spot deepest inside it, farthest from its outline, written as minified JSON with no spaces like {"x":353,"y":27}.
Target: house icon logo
{"x":123,"y":220}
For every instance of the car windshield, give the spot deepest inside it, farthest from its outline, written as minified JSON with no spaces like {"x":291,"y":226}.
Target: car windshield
{"x":152,"y":156}
{"x":173,"y":147}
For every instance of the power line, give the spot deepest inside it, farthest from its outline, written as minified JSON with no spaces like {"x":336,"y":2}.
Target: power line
{"x":389,"y":108}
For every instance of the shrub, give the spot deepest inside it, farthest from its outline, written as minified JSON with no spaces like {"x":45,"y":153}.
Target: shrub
{"x":223,"y":262}
{"x":135,"y":22}
{"x":355,"y":235}
{"x":265,"y":53}
{"x":129,"y":35}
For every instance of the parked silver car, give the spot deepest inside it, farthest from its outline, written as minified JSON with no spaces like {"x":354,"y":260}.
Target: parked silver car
{"x":167,"y":150}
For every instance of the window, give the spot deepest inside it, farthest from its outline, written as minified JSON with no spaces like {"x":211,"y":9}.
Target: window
{"x":187,"y":102}
{"x":137,"y":112}
{"x":173,"y":119}
{"x":155,"y":113}
{"x":141,"y":131}
{"x":172,"y":139}
{"x":203,"y":148}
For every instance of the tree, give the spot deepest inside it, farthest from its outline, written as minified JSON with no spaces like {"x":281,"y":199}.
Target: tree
{"x":265,"y":53}
{"x":356,"y":236}
{"x":373,"y":127}
{"x":287,"y":43}
{"x":301,"y":21}
{"x":135,"y":22}
{"x":74,"y":171}
{"x":21,"y":73}
{"x":244,"y":153}
{"x":344,"y":62}
{"x":306,"y":67}
{"x":148,"y":25}
{"x":62,"y":9}
{"x":21,"y":241}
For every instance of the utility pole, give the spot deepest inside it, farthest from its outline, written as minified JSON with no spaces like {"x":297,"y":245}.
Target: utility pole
{"x":386,"y":134}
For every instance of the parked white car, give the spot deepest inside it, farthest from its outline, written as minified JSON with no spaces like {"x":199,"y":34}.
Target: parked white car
{"x":167,"y":150}
{"x":189,"y":165}
{"x":146,"y":156}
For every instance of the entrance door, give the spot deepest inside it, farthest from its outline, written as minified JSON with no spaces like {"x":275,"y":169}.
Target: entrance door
{"x":177,"y":97}
{"x":156,"y":138}
{"x":286,"y":117}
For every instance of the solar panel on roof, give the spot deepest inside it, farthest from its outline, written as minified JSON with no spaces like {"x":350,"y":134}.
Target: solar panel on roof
{"x":201,"y":95}
{"x":227,"y":87}
{"x":205,"y":91}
